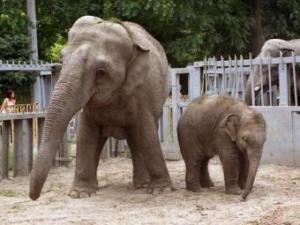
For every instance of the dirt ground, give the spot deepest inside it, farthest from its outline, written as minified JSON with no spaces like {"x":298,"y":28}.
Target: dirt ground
{"x":274,"y":200}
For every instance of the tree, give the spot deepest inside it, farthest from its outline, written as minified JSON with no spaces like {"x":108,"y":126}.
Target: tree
{"x":55,"y":17}
{"x":256,"y":34}
{"x":14,"y":43}
{"x":281,"y":19}
{"x":189,"y":30}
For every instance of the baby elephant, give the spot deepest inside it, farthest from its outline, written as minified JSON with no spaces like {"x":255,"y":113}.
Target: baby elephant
{"x":224,"y":126}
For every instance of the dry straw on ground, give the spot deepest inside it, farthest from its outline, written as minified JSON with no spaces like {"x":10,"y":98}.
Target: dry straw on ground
{"x":275,"y":200}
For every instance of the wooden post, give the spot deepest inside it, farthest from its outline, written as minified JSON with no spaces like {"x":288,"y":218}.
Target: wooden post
{"x":283,"y":85}
{"x":23,"y":147}
{"x":165,"y":123}
{"x":194,"y":82}
{"x":62,"y":158}
{"x":4,"y":149}
{"x":175,"y":100}
{"x":105,"y":150}
{"x":40,"y":126}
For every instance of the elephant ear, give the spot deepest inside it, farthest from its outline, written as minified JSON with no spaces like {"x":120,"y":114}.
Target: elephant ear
{"x":138,"y":66}
{"x":230,"y":124}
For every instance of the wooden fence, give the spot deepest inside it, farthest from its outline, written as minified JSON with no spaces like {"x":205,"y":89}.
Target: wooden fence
{"x":18,"y":141}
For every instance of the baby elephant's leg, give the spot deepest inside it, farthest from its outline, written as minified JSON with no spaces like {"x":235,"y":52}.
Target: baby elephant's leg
{"x":230,"y":164}
{"x":243,"y":171}
{"x":192,"y":175}
{"x":204,"y":177}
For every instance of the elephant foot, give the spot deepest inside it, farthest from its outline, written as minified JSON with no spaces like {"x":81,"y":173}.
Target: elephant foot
{"x":140,"y":184}
{"x":193,"y":187}
{"x":82,"y":191}
{"x":234,"y":191}
{"x":242,"y":185}
{"x":158,"y":187}
{"x":207,"y":184}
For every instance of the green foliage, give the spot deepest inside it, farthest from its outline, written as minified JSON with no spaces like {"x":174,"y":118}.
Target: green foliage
{"x":55,"y":17}
{"x":281,"y":19}
{"x":53,"y":52}
{"x":13,"y":29}
{"x":14,"y":45}
{"x":189,"y":30}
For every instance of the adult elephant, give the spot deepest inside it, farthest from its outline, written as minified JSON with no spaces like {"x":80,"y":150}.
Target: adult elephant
{"x":118,"y":73}
{"x":271,"y":48}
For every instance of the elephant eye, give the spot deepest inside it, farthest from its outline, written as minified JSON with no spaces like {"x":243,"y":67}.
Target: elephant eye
{"x":100,"y":72}
{"x":245,"y":138}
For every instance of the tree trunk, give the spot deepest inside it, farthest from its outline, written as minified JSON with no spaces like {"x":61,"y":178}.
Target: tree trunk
{"x":257,"y":37}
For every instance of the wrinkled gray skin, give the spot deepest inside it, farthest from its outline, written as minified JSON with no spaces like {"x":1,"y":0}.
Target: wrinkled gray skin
{"x":118,"y":74}
{"x":271,"y":48}
{"x":221,"y":125}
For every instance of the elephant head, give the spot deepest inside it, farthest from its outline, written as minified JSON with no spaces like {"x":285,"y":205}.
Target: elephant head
{"x":260,"y":75}
{"x":248,"y":131}
{"x":102,"y":60}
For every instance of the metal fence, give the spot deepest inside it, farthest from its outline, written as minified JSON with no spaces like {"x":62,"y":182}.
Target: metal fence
{"x":270,"y":85}
{"x":272,"y":81}
{"x":258,"y":82}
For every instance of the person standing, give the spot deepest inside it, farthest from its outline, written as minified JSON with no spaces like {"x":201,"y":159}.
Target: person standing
{"x":9,"y":102}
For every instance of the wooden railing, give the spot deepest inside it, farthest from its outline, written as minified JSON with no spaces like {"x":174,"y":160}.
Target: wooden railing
{"x":21,"y":108}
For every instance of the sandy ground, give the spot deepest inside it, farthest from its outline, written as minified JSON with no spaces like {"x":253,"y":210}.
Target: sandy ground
{"x":275,"y":199}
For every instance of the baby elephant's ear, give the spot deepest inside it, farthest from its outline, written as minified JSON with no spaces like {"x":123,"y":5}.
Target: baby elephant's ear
{"x":231,"y":124}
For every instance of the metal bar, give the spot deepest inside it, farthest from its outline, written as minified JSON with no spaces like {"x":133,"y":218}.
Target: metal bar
{"x":222,"y":77}
{"x":270,"y":82}
{"x":237,"y":80}
{"x":283,"y":84}
{"x":230,"y":78}
{"x":242,"y":74}
{"x":206,"y":78}
{"x":215,"y":75}
{"x":294,"y":80}
{"x":174,"y":103}
{"x":261,"y":82}
{"x":252,"y":80}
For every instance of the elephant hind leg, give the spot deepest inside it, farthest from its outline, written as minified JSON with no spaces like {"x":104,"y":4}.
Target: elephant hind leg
{"x":243,"y":171}
{"x":204,"y":177}
{"x":144,"y":139}
{"x":141,"y":176}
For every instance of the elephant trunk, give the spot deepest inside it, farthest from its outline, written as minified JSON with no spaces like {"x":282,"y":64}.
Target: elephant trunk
{"x":254,"y":160}
{"x":64,"y":104}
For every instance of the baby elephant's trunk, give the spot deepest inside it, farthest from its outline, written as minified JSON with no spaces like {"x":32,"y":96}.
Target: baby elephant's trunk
{"x":253,"y":166}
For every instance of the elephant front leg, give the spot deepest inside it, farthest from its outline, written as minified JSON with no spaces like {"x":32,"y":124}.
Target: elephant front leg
{"x":230,"y":164}
{"x":140,"y":177}
{"x":144,"y":139}
{"x":89,"y":146}
{"x":243,"y":171}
